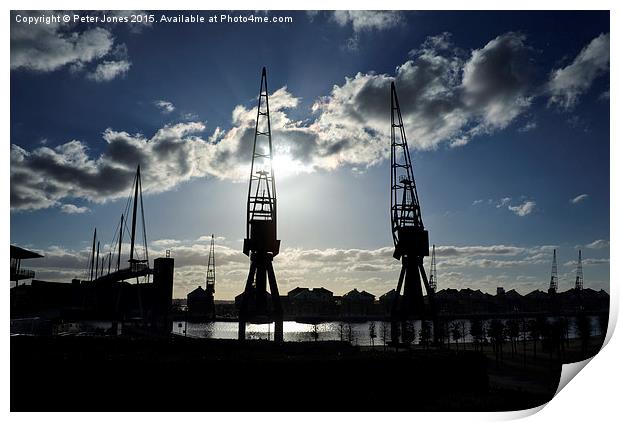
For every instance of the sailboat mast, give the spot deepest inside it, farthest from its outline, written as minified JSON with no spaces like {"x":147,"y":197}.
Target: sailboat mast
{"x":97,"y":264}
{"x":133,"y":220}
{"x":120,"y":242}
{"x":92,"y":256}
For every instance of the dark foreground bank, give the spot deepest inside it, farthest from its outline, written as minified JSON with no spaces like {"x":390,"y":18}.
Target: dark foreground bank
{"x":184,"y":374}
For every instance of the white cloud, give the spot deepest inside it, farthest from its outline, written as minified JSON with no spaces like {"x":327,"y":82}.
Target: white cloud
{"x":588,"y":261}
{"x":567,"y":84}
{"x":478,"y":250}
{"x":579,"y":198}
{"x":447,"y":97}
{"x":503,"y":202}
{"x":166,"y":242}
{"x":58,"y":45}
{"x":44,"y":176}
{"x":531,"y":125}
{"x":598,"y":244}
{"x":339,"y":270}
{"x":46,"y":48}
{"x":523,"y":209}
{"x":444,"y":97}
{"x":367,"y":20}
{"x":166,"y":106}
{"x":108,"y":70}
{"x":73,"y":209}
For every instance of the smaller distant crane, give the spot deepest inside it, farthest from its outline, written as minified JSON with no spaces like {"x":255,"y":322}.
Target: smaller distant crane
{"x":432,"y":281}
{"x":211,"y":268}
{"x":579,"y":279}
{"x":553,"y":285}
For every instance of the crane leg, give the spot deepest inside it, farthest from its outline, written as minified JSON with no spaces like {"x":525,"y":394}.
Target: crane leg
{"x":243,"y":311}
{"x":395,"y":308}
{"x":278,"y":334}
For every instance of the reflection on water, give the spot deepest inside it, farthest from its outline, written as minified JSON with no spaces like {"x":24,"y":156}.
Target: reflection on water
{"x":356,"y":332}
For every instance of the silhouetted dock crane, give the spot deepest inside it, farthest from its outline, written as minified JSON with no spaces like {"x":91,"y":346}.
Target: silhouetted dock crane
{"x":410,"y":237}
{"x":432,"y":281}
{"x":579,"y":278}
{"x":210,"y":279}
{"x":553,"y":284}
{"x":211,"y":268}
{"x":261,"y":243}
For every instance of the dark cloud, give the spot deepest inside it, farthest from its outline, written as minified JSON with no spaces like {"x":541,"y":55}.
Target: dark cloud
{"x":47,"y":47}
{"x":447,"y":97}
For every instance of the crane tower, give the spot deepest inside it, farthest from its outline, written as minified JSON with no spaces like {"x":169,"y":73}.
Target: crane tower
{"x":553,"y":284}
{"x":410,"y":237}
{"x":579,"y":279}
{"x":261,"y":243}
{"x":432,"y":281}
{"x":211,"y":268}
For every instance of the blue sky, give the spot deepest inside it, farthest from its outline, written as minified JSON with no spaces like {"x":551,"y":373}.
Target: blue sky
{"x":507,"y":115}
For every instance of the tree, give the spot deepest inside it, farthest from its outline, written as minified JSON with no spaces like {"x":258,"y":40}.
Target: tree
{"x":455,"y":330}
{"x":372,"y":332}
{"x":546,"y":335}
{"x":562,"y":334}
{"x":384,"y":333}
{"x":463,"y":333}
{"x":533,"y":328}
{"x":512,"y":330}
{"x":523,"y":332}
{"x":426,"y":333}
{"x":476,"y":331}
{"x":315,"y":332}
{"x":497,"y":334}
{"x":350,"y":334}
{"x":440,"y":334}
{"x":583,"y":326}
{"x":341,"y":331}
{"x":410,"y":333}
{"x":446,"y":329}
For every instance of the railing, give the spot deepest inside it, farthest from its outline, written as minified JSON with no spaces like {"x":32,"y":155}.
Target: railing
{"x":21,"y":274}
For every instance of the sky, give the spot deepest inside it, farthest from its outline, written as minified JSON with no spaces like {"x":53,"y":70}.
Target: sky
{"x":506,"y":115}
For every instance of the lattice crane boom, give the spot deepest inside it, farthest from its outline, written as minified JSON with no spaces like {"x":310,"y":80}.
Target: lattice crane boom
{"x":408,"y":231}
{"x":261,"y":212}
{"x":211,"y":267}
{"x":261,"y":243}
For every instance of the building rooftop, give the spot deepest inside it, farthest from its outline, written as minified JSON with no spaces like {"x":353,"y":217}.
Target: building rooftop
{"x":21,"y":253}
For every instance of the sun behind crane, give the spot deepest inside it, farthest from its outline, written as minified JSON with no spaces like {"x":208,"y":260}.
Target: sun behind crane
{"x":261,"y":243}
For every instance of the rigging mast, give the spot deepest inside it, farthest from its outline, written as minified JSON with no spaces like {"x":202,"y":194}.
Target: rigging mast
{"x":138,"y":258}
{"x":408,"y":233}
{"x":261,"y":243}
{"x":91,"y":267}
{"x":134,"y":263}
{"x":553,"y":284}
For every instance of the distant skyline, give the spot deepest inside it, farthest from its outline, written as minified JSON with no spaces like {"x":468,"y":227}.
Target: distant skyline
{"x":506,"y":114}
